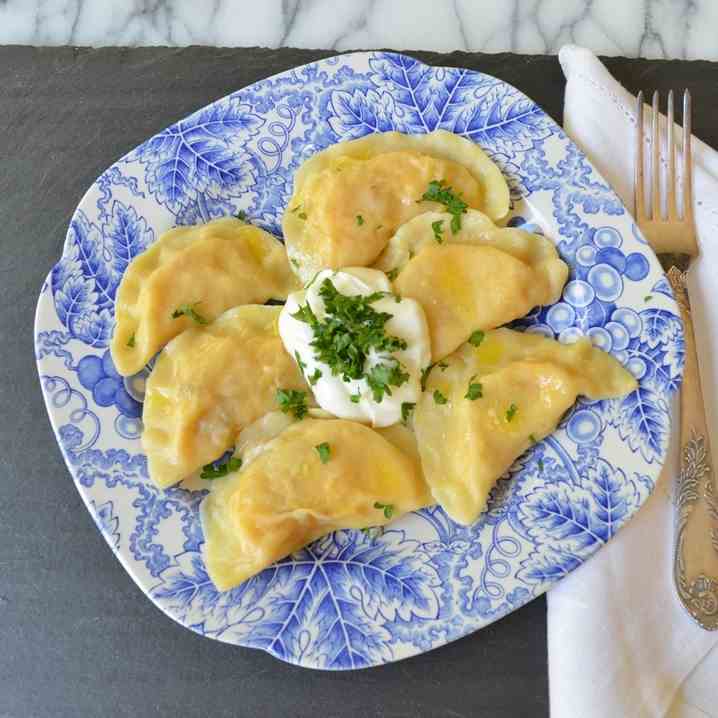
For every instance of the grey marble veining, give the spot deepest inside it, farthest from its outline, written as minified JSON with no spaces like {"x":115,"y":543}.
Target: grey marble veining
{"x":634,"y":28}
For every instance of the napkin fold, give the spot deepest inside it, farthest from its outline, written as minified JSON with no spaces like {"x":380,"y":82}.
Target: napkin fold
{"x":620,"y":644}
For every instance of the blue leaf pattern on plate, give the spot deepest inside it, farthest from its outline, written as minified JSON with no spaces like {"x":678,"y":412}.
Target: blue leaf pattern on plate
{"x":642,"y":423}
{"x":357,"y":114}
{"x":84,"y":282}
{"x":202,"y":156}
{"x":125,"y":235}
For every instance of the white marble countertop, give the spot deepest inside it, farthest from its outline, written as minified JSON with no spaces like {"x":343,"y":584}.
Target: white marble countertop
{"x":634,"y":28}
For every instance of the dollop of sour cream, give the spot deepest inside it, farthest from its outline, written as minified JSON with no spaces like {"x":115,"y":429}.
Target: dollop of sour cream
{"x":407,"y":322}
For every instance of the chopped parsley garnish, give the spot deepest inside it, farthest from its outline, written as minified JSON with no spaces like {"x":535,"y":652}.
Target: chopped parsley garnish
{"x":425,"y":375}
{"x":188,"y":310}
{"x":356,"y":398}
{"x":373,"y":532}
{"x":314,"y":378}
{"x":476,"y":337}
{"x":439,"y":191}
{"x":381,"y":376}
{"x":511,"y":412}
{"x":217,"y":471}
{"x":407,"y":408}
{"x":295,"y":262}
{"x":387,"y":508}
{"x":360,"y":220}
{"x":379,"y":226}
{"x":350,"y":331}
{"x":291,"y":400}
{"x":392,"y":274}
{"x":427,"y":370}
{"x":648,"y":298}
{"x":475,"y":390}
{"x":540,"y":465}
{"x":302,"y":366}
{"x":439,"y":398}
{"x":296,"y":209}
{"x":324,"y":451}
{"x":305,"y":314}
{"x":302,"y":215}
{"x":131,"y":342}
{"x":241,"y":215}
{"x":532,"y":438}
{"x":438,"y":228}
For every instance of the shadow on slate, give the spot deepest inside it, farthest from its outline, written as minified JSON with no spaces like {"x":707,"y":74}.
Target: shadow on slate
{"x":78,"y":637}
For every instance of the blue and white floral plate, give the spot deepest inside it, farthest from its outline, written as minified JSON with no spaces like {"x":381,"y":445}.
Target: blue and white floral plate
{"x":351,"y":600}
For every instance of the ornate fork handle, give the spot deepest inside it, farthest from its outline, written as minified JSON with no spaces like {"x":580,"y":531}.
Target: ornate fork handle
{"x":695,"y":564}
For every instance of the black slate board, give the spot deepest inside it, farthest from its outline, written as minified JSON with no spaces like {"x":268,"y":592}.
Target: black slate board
{"x":77,"y":637}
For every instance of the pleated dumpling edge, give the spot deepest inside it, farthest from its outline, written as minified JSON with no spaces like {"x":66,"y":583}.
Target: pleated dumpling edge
{"x":191,"y":275}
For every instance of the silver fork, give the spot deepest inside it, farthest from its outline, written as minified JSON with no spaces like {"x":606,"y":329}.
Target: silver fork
{"x":695,"y":564}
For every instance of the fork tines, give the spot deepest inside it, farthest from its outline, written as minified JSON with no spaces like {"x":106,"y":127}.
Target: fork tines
{"x":655,"y":213}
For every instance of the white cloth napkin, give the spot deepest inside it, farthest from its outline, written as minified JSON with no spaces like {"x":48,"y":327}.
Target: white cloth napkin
{"x":619,"y":642}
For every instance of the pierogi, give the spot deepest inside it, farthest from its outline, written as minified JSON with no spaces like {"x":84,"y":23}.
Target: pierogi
{"x":478,"y":277}
{"x":209,"y":383}
{"x":431,"y":228}
{"x":492,"y":402}
{"x":349,"y":199}
{"x":190,"y":275}
{"x":308,"y":479}
{"x":258,"y":435}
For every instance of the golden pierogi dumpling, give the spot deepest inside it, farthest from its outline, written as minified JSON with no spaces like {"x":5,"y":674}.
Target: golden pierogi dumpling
{"x":210,"y":382}
{"x":256,"y":437}
{"x":191,"y":275}
{"x":431,"y":228}
{"x":313,"y":477}
{"x":477,"y":278}
{"x":493,"y":401}
{"x":350,"y":198}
